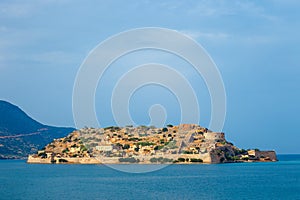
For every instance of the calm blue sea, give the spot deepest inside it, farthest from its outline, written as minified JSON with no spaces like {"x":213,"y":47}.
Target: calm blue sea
{"x":279,"y":180}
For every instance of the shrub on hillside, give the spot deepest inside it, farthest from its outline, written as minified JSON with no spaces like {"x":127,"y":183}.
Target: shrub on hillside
{"x":196,"y":160}
{"x":129,"y":159}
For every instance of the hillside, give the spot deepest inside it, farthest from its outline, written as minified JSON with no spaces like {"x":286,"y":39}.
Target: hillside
{"x":185,"y":143}
{"x":20,"y":135}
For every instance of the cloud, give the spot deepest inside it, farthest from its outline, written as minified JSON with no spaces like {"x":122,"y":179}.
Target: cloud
{"x":205,"y":35}
{"x":55,"y":57}
{"x":208,"y":8}
{"x":52,"y":58}
{"x":21,"y":9}
{"x":3,"y":29}
{"x":15,"y":9}
{"x":217,"y":36}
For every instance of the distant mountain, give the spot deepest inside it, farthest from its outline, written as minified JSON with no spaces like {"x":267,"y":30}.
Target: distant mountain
{"x":20,"y":135}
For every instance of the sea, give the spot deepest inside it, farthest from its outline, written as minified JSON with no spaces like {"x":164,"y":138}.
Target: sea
{"x":274,"y":180}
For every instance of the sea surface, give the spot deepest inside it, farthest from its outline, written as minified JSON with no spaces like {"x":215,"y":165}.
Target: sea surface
{"x":278,"y":180}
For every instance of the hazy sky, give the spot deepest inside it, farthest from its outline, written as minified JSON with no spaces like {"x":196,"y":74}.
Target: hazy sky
{"x":255,"y":45}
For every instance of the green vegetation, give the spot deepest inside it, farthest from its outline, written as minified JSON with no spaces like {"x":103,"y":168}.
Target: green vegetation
{"x":83,"y":148}
{"x":93,"y":144}
{"x":112,"y":128}
{"x":119,"y":145}
{"x":51,"y":146}
{"x":153,"y":160}
{"x":158,"y":147}
{"x":134,"y":139}
{"x":172,"y":145}
{"x":165,"y":129}
{"x":187,"y":152}
{"x":242,"y":151}
{"x":145,"y":143}
{"x":129,"y":159}
{"x":161,"y":160}
{"x":236,"y":158}
{"x":219,"y":152}
{"x":239,"y":151}
{"x":61,"y":160}
{"x":42,"y":155}
{"x":66,"y":150}
{"x":196,"y":160}
{"x":228,"y":156}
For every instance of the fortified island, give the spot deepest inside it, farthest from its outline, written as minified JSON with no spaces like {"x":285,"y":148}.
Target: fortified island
{"x":183,"y":144}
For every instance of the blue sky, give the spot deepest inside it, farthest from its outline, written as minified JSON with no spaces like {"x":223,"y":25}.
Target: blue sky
{"x":255,"y":45}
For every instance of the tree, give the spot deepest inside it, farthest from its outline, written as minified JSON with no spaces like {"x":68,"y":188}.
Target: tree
{"x":158,"y":147}
{"x":61,"y":160}
{"x":167,"y":160}
{"x":66,"y":150}
{"x":153,"y":160}
{"x":196,"y":160}
{"x":42,"y":155}
{"x":83,"y":148}
{"x":129,"y":159}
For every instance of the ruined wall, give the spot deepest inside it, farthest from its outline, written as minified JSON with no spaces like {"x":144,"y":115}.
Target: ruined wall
{"x":214,"y":136}
{"x":32,"y":159}
{"x":187,"y":127}
{"x":263,"y":155}
{"x":267,"y":155}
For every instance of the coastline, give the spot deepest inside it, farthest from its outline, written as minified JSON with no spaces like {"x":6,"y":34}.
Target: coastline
{"x":88,"y":161}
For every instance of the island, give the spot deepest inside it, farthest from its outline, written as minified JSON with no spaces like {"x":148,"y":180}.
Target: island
{"x":181,"y":144}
